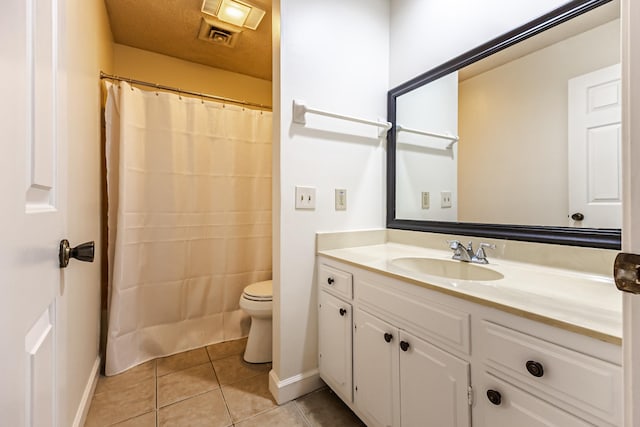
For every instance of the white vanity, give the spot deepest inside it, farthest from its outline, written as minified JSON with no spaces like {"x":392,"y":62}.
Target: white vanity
{"x":540,"y":346}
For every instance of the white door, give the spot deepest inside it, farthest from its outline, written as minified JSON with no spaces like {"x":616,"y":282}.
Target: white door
{"x":595,"y":159}
{"x":334,"y":344}
{"x":433,"y":385}
{"x":630,"y":17}
{"x":375,"y":365}
{"x":32,"y":215}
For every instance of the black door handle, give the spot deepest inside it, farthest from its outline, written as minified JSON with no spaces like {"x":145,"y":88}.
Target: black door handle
{"x":388,"y":337}
{"x":84,"y":252}
{"x":404,"y":345}
{"x":343,"y":312}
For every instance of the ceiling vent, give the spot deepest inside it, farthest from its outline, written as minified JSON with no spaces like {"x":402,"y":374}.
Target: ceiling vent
{"x":217,"y":34}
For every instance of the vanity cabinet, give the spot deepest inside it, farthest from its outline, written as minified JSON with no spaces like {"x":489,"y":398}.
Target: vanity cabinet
{"x":402,"y":380}
{"x":402,"y":356}
{"x":335,"y":322}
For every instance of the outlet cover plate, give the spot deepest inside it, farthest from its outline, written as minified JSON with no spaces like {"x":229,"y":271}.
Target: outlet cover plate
{"x":425,"y":200}
{"x":341,"y":199}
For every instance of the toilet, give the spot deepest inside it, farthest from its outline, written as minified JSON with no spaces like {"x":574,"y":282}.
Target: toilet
{"x":256,"y":301}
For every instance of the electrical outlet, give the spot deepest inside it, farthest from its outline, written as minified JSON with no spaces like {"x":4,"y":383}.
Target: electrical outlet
{"x":341,"y":199}
{"x":445,"y":199}
{"x":425,"y":200}
{"x":305,"y":197}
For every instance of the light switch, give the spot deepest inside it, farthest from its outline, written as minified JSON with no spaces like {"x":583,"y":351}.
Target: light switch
{"x":445,"y":199}
{"x":305,"y":197}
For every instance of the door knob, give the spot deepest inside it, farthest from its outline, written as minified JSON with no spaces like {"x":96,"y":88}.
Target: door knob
{"x":343,"y":312}
{"x":84,"y":252}
{"x":577,"y":216}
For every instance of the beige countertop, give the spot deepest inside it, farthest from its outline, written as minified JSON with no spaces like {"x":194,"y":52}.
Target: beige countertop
{"x":586,"y":303}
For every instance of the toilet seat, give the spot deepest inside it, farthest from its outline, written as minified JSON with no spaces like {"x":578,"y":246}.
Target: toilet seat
{"x":260,"y":291}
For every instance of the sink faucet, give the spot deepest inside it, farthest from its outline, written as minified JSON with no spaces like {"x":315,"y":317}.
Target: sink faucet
{"x":465,"y":254}
{"x":460,"y":252}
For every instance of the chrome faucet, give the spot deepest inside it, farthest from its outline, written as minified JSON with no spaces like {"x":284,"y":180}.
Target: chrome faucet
{"x":466,"y":254}
{"x":480,"y":256}
{"x":460,"y":252}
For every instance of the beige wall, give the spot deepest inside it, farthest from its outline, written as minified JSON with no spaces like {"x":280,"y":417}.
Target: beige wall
{"x":89,"y":49}
{"x":155,"y":68}
{"x":513,"y":132}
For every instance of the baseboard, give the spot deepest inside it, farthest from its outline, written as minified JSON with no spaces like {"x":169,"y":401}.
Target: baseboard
{"x":293,"y":387}
{"x":85,"y":402}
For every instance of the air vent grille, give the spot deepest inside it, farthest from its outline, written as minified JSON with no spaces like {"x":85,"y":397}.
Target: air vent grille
{"x":214,"y":33}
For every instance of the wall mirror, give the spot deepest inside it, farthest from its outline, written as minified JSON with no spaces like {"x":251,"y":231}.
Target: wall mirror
{"x":518,"y":138}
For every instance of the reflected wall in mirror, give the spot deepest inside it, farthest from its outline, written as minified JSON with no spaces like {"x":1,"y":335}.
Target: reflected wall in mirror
{"x":525,"y":141}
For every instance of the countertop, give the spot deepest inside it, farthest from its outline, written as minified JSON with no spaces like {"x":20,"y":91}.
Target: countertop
{"x":585,"y":303}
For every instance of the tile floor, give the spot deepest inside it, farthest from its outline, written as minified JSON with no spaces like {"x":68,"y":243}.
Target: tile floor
{"x":210,"y":386}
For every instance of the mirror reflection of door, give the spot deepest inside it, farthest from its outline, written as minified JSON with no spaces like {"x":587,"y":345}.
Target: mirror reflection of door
{"x":595,"y":187}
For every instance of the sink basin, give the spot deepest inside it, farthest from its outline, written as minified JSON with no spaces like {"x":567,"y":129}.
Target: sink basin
{"x":449,"y":269}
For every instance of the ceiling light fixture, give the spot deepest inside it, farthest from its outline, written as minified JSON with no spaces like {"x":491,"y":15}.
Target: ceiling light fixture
{"x":234,"y":12}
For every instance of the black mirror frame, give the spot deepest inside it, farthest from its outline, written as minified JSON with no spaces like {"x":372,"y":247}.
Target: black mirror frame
{"x":587,"y":237}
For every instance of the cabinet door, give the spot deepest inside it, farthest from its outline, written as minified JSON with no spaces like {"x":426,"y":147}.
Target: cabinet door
{"x":376,"y":370}
{"x":514,"y":407}
{"x":334,"y":342}
{"x":433,"y":385}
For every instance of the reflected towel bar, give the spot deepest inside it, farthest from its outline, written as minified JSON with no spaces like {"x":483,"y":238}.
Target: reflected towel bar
{"x":300,"y":109}
{"x":452,"y":138}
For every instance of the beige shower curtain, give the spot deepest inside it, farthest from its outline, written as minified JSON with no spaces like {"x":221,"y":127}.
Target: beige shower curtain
{"x":189,"y":195}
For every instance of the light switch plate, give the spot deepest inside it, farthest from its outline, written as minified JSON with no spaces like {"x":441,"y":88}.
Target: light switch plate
{"x":445,"y":199}
{"x":341,"y":199}
{"x":305,"y":197}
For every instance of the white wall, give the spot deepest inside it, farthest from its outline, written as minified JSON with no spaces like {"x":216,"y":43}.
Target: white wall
{"x":333,"y":55}
{"x":425,"y":34}
{"x":89,"y":50}
{"x":424,"y":163}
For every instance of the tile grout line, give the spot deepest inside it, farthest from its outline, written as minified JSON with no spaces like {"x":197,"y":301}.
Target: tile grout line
{"x":304,"y":417}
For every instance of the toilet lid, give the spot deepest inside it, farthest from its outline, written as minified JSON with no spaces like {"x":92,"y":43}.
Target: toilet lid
{"x":260,"y":291}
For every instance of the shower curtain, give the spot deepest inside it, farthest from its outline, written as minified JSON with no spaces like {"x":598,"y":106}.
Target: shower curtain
{"x":189,"y":217}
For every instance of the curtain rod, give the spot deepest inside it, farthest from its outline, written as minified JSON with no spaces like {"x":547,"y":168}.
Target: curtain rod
{"x":104,"y":75}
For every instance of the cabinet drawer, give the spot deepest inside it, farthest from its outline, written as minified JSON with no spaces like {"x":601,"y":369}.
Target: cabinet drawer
{"x":554,"y":371}
{"x":516,"y":407}
{"x":415,"y":313}
{"x":335,"y":281}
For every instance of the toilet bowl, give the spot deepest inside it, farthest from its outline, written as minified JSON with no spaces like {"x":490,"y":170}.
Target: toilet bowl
{"x":256,"y":301}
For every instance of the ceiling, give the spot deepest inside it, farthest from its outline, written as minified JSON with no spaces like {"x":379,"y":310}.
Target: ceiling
{"x":171,"y":27}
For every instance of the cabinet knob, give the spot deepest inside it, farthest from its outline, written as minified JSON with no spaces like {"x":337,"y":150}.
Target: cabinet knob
{"x":388,"y":337}
{"x":494,"y":397}
{"x":535,"y":368}
{"x":330,"y":280}
{"x":577,"y":216}
{"x":404,"y":345}
{"x":343,"y":312}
